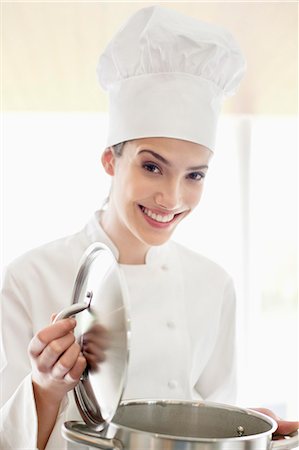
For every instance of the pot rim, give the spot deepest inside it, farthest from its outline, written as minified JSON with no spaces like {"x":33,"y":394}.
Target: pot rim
{"x":249,"y":412}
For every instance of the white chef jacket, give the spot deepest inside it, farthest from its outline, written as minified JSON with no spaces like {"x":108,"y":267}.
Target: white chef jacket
{"x":182,"y":313}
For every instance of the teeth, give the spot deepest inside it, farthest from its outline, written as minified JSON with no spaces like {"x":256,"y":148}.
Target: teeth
{"x":158,"y":217}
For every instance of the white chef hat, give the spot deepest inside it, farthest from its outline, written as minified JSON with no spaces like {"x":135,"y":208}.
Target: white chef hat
{"x":166,"y":75}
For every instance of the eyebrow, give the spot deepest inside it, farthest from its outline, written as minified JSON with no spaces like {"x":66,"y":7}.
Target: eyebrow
{"x":167,"y":163}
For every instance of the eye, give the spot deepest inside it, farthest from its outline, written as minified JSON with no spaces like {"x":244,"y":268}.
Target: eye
{"x":196,"y":176}
{"x":151,"y":167}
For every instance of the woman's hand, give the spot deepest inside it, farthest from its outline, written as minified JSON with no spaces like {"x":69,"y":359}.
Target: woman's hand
{"x":95,"y":342}
{"x":285,"y":427}
{"x":56,"y":360}
{"x":57,"y":364}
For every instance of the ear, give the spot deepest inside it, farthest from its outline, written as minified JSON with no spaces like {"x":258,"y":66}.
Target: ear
{"x":108,"y":161}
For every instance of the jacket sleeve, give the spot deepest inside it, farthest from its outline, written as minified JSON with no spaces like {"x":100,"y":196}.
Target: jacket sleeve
{"x":217,"y":381}
{"x":18,"y":425}
{"x":18,"y":415}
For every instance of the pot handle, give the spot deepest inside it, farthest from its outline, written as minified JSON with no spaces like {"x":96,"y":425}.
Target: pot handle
{"x":88,"y":437}
{"x":287,"y":444}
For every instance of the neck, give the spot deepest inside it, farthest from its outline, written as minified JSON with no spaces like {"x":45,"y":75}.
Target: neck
{"x":131,"y":250}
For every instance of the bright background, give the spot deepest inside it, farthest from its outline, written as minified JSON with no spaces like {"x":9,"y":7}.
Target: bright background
{"x":54,"y":124}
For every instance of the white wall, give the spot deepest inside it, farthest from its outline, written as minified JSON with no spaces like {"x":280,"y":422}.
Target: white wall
{"x":53,"y":181}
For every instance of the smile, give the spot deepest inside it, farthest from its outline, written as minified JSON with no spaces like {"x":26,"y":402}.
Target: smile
{"x":157,"y":217}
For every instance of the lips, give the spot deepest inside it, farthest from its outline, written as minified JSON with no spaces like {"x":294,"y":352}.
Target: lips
{"x":160,"y":218}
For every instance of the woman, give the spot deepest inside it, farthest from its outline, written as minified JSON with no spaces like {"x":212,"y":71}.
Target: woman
{"x":166,"y":75}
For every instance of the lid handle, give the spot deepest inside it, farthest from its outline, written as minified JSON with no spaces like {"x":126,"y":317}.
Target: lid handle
{"x":71,"y":311}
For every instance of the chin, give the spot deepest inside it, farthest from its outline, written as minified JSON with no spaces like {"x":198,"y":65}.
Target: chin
{"x":154,"y":241}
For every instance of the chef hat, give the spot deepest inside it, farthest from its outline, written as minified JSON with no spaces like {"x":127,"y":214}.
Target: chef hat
{"x":166,"y":75}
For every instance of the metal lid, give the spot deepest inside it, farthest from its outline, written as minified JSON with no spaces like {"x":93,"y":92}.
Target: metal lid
{"x":100,"y":284}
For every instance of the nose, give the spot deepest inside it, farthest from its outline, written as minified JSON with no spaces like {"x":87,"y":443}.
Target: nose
{"x":169,"y":196}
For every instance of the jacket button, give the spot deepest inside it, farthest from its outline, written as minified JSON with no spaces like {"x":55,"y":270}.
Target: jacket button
{"x":170,"y":325}
{"x":172,"y":384}
{"x":164,"y":267}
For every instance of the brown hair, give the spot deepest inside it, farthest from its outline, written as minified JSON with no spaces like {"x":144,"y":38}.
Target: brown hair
{"x":118,"y":148}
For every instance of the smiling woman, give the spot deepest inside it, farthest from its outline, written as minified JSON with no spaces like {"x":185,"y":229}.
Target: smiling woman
{"x":166,"y":75}
{"x":156,"y":183}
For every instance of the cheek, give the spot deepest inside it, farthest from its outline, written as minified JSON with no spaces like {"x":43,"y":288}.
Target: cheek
{"x":130,"y":188}
{"x":193,"y":195}
{"x":137,"y":186}
{"x":122,"y":182}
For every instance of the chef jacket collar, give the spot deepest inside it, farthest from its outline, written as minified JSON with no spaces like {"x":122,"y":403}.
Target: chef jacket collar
{"x":96,"y":233}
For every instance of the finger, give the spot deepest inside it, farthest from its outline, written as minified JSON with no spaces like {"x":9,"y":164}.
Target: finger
{"x":76,"y":371}
{"x":94,"y":359}
{"x":94,"y":350}
{"x":97,"y":336}
{"x":286,"y":427}
{"x":100,"y":342}
{"x":53,"y":316}
{"x":53,"y":351}
{"x":50,"y":333}
{"x":66,"y":362}
{"x":93,"y":363}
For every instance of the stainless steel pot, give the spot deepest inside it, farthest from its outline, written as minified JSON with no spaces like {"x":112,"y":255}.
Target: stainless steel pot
{"x":99,"y":297}
{"x":176,"y":425}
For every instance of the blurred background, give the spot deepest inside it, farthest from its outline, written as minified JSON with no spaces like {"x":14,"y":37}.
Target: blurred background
{"x":53,"y":123}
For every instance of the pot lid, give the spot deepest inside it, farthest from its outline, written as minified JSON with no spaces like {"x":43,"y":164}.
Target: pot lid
{"x":101,"y":286}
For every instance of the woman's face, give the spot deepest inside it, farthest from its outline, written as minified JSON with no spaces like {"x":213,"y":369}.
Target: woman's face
{"x":157,"y":182}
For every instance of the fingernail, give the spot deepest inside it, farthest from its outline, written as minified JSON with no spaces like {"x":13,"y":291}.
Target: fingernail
{"x":73,"y":321}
